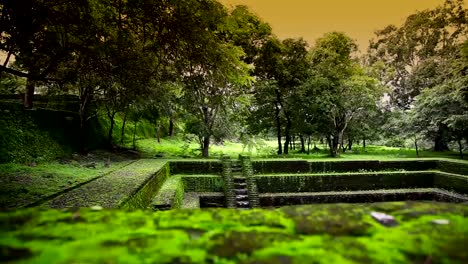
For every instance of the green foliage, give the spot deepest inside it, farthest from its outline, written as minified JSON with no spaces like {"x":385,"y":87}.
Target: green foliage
{"x":22,"y":141}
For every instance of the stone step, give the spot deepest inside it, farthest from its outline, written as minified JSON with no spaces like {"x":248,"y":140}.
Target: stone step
{"x":242,"y":197}
{"x":239,"y":179}
{"x":240,"y":191}
{"x":243,"y":203}
{"x":240,"y":185}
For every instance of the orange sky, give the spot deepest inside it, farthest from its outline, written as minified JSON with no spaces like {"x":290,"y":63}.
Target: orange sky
{"x":310,"y":19}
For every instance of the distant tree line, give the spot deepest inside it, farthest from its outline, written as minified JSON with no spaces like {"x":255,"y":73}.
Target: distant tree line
{"x":221,"y":73}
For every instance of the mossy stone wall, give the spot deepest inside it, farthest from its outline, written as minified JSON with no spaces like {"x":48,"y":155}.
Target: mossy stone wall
{"x":280,"y":166}
{"x":141,"y":198}
{"x":303,"y":166}
{"x":344,"y":182}
{"x":450,"y":182}
{"x":196,"y":167}
{"x":202,"y":183}
{"x":359,"y":197}
{"x":456,"y":167}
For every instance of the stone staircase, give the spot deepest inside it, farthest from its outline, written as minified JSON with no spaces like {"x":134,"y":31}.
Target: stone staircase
{"x":240,"y":186}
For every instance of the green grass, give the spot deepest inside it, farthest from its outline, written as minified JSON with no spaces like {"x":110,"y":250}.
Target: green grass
{"x":177,"y":148}
{"x":22,"y":185}
{"x":323,"y":233}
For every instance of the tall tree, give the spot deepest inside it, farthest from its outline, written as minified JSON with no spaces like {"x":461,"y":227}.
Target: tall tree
{"x":40,"y":34}
{"x":284,"y":66}
{"x":414,"y":54}
{"x":339,"y":88}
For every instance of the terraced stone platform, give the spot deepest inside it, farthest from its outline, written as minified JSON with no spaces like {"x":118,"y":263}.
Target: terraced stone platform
{"x":163,"y":184}
{"x":287,"y":182}
{"x":132,"y":186}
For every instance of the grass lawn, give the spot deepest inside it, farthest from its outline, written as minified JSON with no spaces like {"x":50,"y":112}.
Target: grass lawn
{"x":177,"y":148}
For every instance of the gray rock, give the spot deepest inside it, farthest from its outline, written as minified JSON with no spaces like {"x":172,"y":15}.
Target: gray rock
{"x":384,"y":219}
{"x":440,"y":221}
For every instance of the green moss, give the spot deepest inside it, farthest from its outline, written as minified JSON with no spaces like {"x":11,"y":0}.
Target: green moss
{"x":340,"y":233}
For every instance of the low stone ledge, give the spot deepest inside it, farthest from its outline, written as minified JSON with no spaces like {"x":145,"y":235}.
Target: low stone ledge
{"x":366,"y":196}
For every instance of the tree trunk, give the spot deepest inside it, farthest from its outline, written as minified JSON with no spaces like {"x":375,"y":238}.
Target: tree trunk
{"x":364,"y":143}
{"x":301,"y":137}
{"x":308,"y":145}
{"x":460,"y":148}
{"x":171,"y":126}
{"x":286,"y":144}
{"x":111,"y":128}
{"x":82,"y":135}
{"x":350,"y":144}
{"x":440,"y":143}
{"x":416,"y":146}
{"x":29,"y":94}
{"x":287,"y":135}
{"x":342,"y":146}
{"x":158,"y":131}
{"x":206,"y":146}
{"x":294,"y":142}
{"x":335,"y":144}
{"x":134,"y":134}
{"x":278,"y":128}
{"x":122,"y":135}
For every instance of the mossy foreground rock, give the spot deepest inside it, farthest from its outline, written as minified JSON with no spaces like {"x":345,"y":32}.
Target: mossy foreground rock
{"x":326,"y":233}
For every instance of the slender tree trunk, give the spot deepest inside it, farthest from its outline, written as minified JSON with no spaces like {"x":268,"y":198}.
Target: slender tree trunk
{"x":278,"y":128}
{"x":364,"y":143}
{"x":287,"y":135}
{"x":111,"y":128}
{"x":301,"y":137}
{"x":171,"y":126}
{"x":460,"y":148}
{"x":416,"y":146}
{"x":342,"y":146}
{"x":29,"y":94}
{"x":82,"y":135}
{"x":308,"y":145}
{"x":134,"y":133}
{"x":206,"y":146}
{"x":158,"y":131}
{"x":350,"y":144}
{"x":122,"y":135}
{"x":294,"y":142}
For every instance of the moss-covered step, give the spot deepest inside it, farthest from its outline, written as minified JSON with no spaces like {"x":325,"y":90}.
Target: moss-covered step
{"x":131,"y":187}
{"x":194,"y":200}
{"x":364,"y":196}
{"x":170,"y":195}
{"x":426,"y":232}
